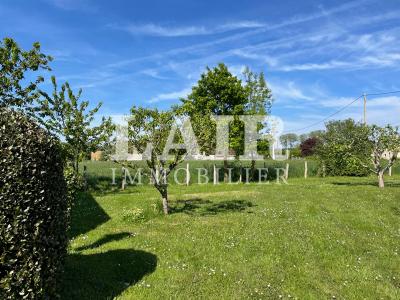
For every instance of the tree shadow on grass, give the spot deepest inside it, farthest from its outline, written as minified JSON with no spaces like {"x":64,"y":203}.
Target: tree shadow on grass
{"x":108,"y":238}
{"x":105,"y":275}
{"x":206,"y":207}
{"x":388,"y":183}
{"x":86,"y":215}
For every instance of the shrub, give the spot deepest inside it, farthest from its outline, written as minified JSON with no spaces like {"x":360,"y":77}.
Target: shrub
{"x":133,"y":215}
{"x":295,"y":153}
{"x":33,"y":210}
{"x":342,"y":148}
{"x":75,"y":183}
{"x":309,"y":146}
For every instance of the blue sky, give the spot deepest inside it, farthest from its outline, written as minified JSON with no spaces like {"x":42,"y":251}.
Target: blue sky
{"x":317,"y":56}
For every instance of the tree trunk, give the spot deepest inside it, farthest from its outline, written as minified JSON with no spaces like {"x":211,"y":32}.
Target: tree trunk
{"x":226,"y":171}
{"x":381,"y":180}
{"x":75,"y":165}
{"x":252,"y":170}
{"x":164,"y":195}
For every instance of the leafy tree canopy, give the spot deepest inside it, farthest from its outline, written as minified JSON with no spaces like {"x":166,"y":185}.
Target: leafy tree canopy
{"x":64,"y":114}
{"x":15,"y":65}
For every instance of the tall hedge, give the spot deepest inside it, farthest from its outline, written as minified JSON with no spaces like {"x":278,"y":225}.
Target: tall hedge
{"x":34,"y":211}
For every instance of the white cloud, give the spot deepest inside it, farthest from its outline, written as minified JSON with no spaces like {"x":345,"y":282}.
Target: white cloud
{"x":287,"y":91}
{"x":153,"y":73}
{"x":237,"y":70}
{"x":171,"y":31}
{"x":271,"y":61}
{"x":382,"y":60}
{"x":170,"y":96}
{"x":156,"y":30}
{"x":314,"y":66}
{"x":82,"y":5}
{"x":240,"y":25}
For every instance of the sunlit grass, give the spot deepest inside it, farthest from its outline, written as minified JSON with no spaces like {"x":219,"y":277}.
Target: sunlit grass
{"x":312,"y":239}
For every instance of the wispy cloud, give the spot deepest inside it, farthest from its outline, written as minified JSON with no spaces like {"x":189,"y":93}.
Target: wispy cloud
{"x":82,"y":5}
{"x":157,"y":30}
{"x":271,"y":61}
{"x":153,"y":73}
{"x":152,"y":29}
{"x":170,"y":96}
{"x":284,"y":91}
{"x":314,"y":66}
{"x":240,"y":25}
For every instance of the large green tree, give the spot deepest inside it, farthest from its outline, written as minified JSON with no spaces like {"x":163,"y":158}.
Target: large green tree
{"x":18,"y":83}
{"x":64,"y":114}
{"x":218,"y":92}
{"x":259,"y":102}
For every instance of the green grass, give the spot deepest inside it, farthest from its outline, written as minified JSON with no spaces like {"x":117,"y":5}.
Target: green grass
{"x":312,"y":239}
{"x":100,"y":174}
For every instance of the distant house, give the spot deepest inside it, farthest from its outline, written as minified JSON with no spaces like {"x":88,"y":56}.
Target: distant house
{"x":96,"y":156}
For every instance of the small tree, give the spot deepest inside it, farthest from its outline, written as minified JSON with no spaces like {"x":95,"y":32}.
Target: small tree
{"x":308,"y":146}
{"x":148,"y":131}
{"x":288,"y":140}
{"x":343,"y":149}
{"x":65,"y":115}
{"x":15,"y":63}
{"x":385,"y":145}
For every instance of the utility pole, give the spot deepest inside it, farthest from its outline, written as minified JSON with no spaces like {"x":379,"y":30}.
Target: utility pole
{"x":365,"y":109}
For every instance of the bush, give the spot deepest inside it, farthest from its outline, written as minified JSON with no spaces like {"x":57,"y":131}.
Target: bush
{"x":309,"y":146}
{"x":342,"y":149}
{"x":34,"y":211}
{"x":75,"y":183}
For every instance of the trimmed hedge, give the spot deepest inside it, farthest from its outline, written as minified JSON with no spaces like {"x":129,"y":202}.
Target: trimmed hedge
{"x":34,"y":210}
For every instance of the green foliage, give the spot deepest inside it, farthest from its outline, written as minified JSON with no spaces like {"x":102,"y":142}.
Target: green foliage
{"x":313,"y":134}
{"x":65,"y":115}
{"x":295,"y":153}
{"x":343,"y":150}
{"x":133,"y":215}
{"x":15,"y":63}
{"x":289,"y":140}
{"x":151,"y":128}
{"x":218,"y":92}
{"x":34,"y":210}
{"x":384,"y":144}
{"x":140,"y":215}
{"x":259,"y":96}
{"x":75,"y":183}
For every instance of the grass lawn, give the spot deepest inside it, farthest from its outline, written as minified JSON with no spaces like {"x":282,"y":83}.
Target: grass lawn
{"x":312,"y":239}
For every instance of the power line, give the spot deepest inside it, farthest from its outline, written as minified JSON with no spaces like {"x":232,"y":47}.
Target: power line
{"x":384,"y":93}
{"x":328,"y":117}
{"x":343,"y":108}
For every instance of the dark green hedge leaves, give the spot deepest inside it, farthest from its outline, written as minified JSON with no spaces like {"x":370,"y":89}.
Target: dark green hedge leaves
{"x":34,"y":210}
